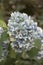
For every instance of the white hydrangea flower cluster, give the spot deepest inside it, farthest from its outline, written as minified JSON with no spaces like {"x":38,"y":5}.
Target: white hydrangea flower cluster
{"x":3,"y":46}
{"x":24,"y":30}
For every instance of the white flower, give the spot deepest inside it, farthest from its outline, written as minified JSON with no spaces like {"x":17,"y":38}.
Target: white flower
{"x":12,"y":15}
{"x":1,"y":30}
{"x":25,"y":16}
{"x":23,"y":28}
{"x":3,"y":44}
{"x":41,"y":52}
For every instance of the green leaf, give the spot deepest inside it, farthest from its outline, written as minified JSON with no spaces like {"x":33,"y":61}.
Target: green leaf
{"x":4,"y":36}
{"x":3,"y":24}
{"x":12,"y":53}
{"x":37,"y":43}
{"x":33,"y":52}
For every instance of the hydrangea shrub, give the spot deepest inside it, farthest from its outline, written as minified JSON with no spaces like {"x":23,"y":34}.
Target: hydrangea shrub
{"x":25,"y":35}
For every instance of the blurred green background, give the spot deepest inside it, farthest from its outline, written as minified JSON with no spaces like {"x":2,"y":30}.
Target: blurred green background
{"x":31,"y":7}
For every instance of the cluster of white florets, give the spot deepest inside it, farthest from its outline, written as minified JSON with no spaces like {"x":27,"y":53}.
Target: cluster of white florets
{"x":4,"y":45}
{"x":1,"y":31}
{"x":24,"y":31}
